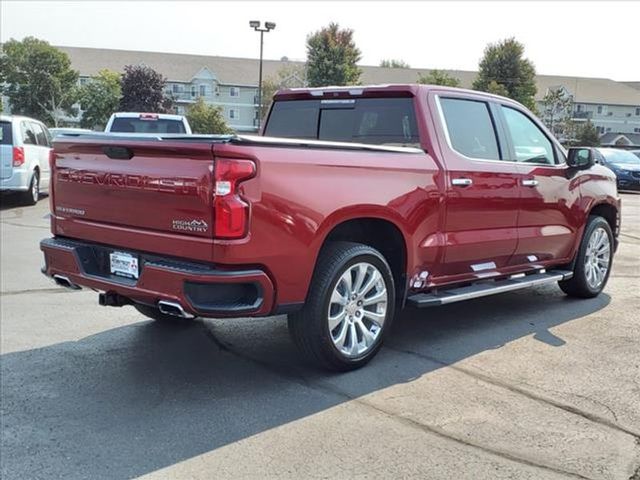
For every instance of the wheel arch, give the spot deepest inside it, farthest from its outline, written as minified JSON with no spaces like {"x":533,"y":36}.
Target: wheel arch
{"x":610,"y":213}
{"x":381,"y":232}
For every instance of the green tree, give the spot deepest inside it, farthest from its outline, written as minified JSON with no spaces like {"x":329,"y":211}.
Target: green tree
{"x":439,"y":77}
{"x":205,"y":118}
{"x":587,"y":135}
{"x":332,"y":57}
{"x":394,"y":63}
{"x":556,"y":109}
{"x":38,"y":80}
{"x":503,"y":63}
{"x":497,"y":89}
{"x":99,"y":98}
{"x":143,"y":90}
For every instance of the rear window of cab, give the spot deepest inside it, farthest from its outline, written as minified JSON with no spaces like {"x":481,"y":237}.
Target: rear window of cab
{"x":378,"y":121}
{"x":147,"y":125}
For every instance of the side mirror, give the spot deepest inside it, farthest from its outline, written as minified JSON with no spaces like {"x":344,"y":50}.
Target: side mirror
{"x":581,"y":158}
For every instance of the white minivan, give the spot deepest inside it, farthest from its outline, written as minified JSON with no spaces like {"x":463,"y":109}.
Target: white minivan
{"x":25,"y":147}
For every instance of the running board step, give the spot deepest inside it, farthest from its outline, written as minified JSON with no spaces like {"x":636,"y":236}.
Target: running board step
{"x":484,"y":289}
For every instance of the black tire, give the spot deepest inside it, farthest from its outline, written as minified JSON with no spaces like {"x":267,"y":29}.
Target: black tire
{"x":154,"y":314}
{"x":31,"y":196}
{"x":578,"y":286}
{"x":309,"y":328}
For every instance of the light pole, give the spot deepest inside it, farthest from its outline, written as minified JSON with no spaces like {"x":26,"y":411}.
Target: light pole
{"x":255,"y":24}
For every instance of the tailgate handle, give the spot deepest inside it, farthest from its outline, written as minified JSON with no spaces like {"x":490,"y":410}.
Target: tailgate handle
{"x":118,"y":153}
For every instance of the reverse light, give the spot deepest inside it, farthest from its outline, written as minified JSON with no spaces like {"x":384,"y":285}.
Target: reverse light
{"x":18,"y":156}
{"x":231,"y":211}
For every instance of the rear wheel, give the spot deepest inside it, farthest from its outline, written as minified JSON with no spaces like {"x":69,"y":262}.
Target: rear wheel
{"x":349,"y":309}
{"x":31,"y":196}
{"x":155,"y":314}
{"x":593,"y":263}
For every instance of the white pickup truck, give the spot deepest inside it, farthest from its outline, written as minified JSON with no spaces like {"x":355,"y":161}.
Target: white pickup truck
{"x":147,"y":123}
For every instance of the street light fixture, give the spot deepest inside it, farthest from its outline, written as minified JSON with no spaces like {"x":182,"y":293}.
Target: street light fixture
{"x":255,"y":24}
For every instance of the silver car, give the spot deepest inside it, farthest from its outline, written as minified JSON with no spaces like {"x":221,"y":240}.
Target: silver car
{"x":25,"y":146}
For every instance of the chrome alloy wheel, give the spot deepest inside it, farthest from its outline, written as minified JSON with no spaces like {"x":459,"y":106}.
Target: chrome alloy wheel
{"x":597,"y":258}
{"x":357,"y":309}
{"x":35,"y":187}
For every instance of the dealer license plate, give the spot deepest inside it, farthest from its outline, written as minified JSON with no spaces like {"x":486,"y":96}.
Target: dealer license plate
{"x":123,"y":264}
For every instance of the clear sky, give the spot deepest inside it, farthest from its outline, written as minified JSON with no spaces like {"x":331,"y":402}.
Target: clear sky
{"x":576,"y":38}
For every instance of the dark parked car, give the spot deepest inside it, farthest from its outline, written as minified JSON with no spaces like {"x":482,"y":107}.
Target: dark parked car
{"x":624,"y":164}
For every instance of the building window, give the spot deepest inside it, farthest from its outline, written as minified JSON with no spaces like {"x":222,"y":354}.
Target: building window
{"x":599,"y":109}
{"x":233,"y":114}
{"x":636,"y":130}
{"x":234,"y":92}
{"x":83,"y":81}
{"x":193,"y":90}
{"x":203,"y":90}
{"x":638,"y":111}
{"x":608,"y":129}
{"x":175,"y":88}
{"x":578,"y":108}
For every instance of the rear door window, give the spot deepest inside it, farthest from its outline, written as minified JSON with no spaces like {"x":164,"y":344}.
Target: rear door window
{"x":378,"y":121}
{"x":6,"y":135}
{"x":470,"y":128}
{"x":28,"y":135}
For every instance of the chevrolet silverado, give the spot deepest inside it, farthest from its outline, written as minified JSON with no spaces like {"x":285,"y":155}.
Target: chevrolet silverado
{"x":353,"y":202}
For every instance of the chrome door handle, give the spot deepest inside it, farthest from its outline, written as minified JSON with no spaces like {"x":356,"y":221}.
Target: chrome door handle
{"x":461,"y":182}
{"x":530,"y":183}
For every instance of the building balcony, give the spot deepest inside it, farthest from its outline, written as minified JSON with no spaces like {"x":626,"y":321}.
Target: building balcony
{"x":582,"y":115}
{"x":189,"y":96}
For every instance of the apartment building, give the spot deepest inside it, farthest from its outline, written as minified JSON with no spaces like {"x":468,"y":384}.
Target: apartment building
{"x":232,"y":84}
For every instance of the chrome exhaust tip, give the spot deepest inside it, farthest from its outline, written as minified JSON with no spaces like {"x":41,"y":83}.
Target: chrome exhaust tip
{"x":172,"y":308}
{"x":65,"y":282}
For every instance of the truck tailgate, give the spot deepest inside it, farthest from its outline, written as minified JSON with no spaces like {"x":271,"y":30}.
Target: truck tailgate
{"x":143,"y":186}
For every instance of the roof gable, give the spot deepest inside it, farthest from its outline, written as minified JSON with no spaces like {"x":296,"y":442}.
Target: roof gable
{"x":205,"y":74}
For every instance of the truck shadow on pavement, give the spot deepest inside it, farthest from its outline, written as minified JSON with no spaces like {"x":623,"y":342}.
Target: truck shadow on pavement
{"x":135,"y":399}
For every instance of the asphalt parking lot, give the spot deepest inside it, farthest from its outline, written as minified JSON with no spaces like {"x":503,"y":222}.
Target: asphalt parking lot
{"x":529,"y":385}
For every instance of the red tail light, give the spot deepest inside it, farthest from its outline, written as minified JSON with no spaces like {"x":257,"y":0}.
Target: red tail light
{"x":230,"y":210}
{"x":18,"y":156}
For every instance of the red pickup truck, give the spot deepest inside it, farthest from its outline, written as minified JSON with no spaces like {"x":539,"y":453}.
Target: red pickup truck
{"x":354,"y":202}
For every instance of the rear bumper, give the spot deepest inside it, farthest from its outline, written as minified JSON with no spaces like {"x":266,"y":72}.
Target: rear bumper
{"x":18,"y":181}
{"x":200,"y":289}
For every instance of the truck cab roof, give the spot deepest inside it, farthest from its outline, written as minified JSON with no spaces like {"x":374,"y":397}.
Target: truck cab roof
{"x":384,"y":90}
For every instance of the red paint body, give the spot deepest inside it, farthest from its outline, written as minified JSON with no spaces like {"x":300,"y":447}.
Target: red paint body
{"x":299,"y":195}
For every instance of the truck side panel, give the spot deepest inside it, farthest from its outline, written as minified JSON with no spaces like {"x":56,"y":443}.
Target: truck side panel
{"x":299,"y":195}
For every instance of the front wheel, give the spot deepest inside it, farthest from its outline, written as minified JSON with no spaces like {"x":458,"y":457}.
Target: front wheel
{"x":349,"y":309}
{"x":593,"y":263}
